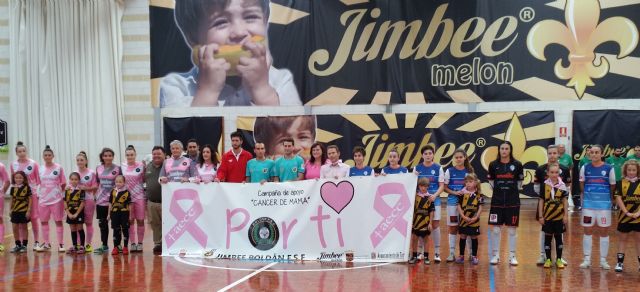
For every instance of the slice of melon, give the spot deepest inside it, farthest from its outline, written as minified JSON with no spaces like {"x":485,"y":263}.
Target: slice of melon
{"x":231,"y":53}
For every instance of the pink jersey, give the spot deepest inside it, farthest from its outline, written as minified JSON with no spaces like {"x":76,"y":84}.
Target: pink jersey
{"x":176,"y":169}
{"x":88,"y":179}
{"x":31,"y":169}
{"x":134,"y":175}
{"x":106,"y":183}
{"x":4,"y":177}
{"x":52,"y":180}
{"x":207,"y":172}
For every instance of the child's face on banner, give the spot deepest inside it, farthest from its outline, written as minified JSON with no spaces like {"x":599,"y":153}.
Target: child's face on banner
{"x":236,"y":23}
{"x":302,"y":136}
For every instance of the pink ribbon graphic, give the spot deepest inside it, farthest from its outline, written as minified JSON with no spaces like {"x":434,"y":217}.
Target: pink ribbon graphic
{"x":392,"y":216}
{"x":186,"y":219}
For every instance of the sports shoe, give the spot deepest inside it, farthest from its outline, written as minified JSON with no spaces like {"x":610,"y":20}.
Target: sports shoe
{"x":80,"y":249}
{"x":541,"y":260}
{"x":547,"y":263}
{"x":513,"y":261}
{"x":559,"y":264}
{"x":125,"y":250}
{"x":1,"y":247}
{"x":43,"y":247}
{"x":115,"y":251}
{"x":474,"y":260}
{"x":61,"y":248}
{"x":71,"y":250}
{"x":139,"y":248}
{"x":451,"y":258}
{"x":426,"y":261}
{"x":23,"y":249}
{"x":413,"y":260}
{"x":15,"y":249}
{"x":604,"y":265}
{"x":460,"y":260}
{"x":101,"y":249}
{"x":36,"y":245}
{"x":564,"y":261}
{"x":88,"y":248}
{"x":494,"y":260}
{"x":437,"y":259}
{"x":157,"y":250}
{"x":585,"y":264}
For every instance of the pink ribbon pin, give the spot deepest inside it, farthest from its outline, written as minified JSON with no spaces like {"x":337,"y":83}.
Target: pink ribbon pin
{"x":392,"y":216}
{"x":186,"y":219}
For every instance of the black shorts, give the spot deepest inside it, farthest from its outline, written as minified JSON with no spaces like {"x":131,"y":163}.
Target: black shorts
{"x":19,"y":217}
{"x":628,"y":227}
{"x":509,"y":216}
{"x":102,"y":212}
{"x":119,"y":220}
{"x":468,"y":230}
{"x":554,"y":227}
{"x":78,"y":220}
{"x":420,"y":233}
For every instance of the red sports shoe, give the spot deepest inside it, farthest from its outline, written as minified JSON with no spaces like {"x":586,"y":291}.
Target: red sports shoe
{"x":115,"y":251}
{"x":125,"y":250}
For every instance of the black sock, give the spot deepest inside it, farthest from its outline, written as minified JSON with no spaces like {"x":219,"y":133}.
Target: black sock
{"x":415,"y":255}
{"x":117,"y":234}
{"x":639,"y":259}
{"x":621,"y":258}
{"x":81,"y":232}
{"x":18,"y":243}
{"x":547,"y":245}
{"x":25,"y":242}
{"x":474,"y":247}
{"x":125,"y":235}
{"x":463,"y":245}
{"x":426,"y":255}
{"x":74,"y":238}
{"x":559,"y":245}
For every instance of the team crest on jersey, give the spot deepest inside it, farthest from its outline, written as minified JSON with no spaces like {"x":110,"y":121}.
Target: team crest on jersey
{"x":138,"y":169}
{"x":55,"y":172}
{"x":114,"y":172}
{"x":604,"y":172}
{"x":433,"y":171}
{"x":512,"y":167}
{"x":184,"y":163}
{"x":264,"y":170}
{"x":295,"y":169}
{"x":366,"y":172}
{"x":86,"y":177}
{"x":230,"y":160}
{"x":29,"y":168}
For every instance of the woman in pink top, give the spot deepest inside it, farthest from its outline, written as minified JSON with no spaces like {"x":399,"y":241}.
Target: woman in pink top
{"x":106,"y":172}
{"x":32,"y":170}
{"x":318,"y":158}
{"x":4,"y":185}
{"x":207,"y":165}
{"x":89,"y":184}
{"x":133,"y":172}
{"x":50,"y":201}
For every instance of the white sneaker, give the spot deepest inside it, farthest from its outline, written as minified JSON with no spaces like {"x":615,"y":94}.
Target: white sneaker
{"x":564,"y":261}
{"x":36,"y":245}
{"x":61,"y":248}
{"x":604,"y":265}
{"x":435,"y":259}
{"x":541,"y":260}
{"x":494,"y":260}
{"x":619,"y":267}
{"x":585,"y":264}
{"x":513,"y":261}
{"x":450,"y":258}
{"x":134,"y":247}
{"x":43,"y":247}
{"x":139,"y":247}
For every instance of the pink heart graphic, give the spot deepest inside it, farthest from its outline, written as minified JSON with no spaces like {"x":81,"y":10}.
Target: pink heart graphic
{"x":337,"y":196}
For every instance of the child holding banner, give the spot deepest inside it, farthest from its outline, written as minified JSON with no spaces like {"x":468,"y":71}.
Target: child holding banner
{"x":233,"y":65}
{"x":469,"y":208}
{"x":628,"y":199}
{"x":453,"y":184}
{"x":119,"y":203}
{"x":422,"y":214}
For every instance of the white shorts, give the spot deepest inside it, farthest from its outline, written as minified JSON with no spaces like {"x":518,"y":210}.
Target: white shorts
{"x":437,"y":213}
{"x":452,"y":215}
{"x":591,"y":216}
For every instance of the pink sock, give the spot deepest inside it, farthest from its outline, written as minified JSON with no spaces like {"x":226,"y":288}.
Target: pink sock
{"x":35,"y":228}
{"x":1,"y":232}
{"x":140,"y":233}
{"x":132,"y":232}
{"x":59,"y":233}
{"x":45,"y":233}
{"x":89,"y":231}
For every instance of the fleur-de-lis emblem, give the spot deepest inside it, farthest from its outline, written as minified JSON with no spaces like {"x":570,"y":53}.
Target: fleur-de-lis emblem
{"x":581,"y":35}
{"x":516,"y":135}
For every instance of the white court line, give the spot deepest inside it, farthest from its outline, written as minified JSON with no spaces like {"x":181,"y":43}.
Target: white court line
{"x":247,"y":277}
{"x":305,"y":270}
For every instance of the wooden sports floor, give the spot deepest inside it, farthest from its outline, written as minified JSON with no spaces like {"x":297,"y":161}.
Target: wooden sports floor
{"x":53,"y":271}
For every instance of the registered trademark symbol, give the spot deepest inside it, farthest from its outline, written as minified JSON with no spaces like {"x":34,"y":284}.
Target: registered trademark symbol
{"x":480,"y":142}
{"x":527,"y":14}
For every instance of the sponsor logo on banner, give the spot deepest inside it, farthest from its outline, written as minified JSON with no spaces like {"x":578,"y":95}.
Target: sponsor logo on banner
{"x":332,"y":257}
{"x":264,"y":233}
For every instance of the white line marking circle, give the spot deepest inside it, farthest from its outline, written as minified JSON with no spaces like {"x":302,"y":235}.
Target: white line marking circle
{"x":310,"y":270}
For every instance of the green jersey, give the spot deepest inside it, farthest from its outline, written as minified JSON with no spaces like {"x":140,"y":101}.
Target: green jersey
{"x":288,"y":169}
{"x":616,"y":163}
{"x":566,"y":160}
{"x":583,"y":161}
{"x":258,"y":171}
{"x":633,"y":157}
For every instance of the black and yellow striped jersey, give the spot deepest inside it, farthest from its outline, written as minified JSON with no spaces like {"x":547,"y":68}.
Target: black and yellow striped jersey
{"x":630,"y":193}
{"x":553,"y":208}
{"x":74,"y":198}
{"x":470,"y":204}
{"x":20,"y":197}
{"x":422,"y":213}
{"x":119,"y":201}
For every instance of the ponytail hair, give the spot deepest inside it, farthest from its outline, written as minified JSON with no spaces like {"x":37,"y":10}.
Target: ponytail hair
{"x":20,"y":144}
{"x":130,"y":147}
{"x":467,"y":164}
{"x":83,"y":155}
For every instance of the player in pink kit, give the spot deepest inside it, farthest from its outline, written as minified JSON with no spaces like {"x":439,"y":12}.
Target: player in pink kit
{"x":133,"y":172}
{"x":4,"y":185}
{"x":106,"y":173}
{"x":207,"y":165}
{"x":88,"y":184}
{"x":50,"y":202}
{"x":31,"y":169}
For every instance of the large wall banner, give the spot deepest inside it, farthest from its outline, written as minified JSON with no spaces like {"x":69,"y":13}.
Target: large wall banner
{"x":479,"y":134}
{"x":364,"y":219}
{"x":283,"y":52}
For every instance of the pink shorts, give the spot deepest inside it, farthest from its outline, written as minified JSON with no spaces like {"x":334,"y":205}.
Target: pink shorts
{"x":89,"y":210}
{"x":34,"y":211}
{"x":137,"y":209}
{"x":54,"y":210}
